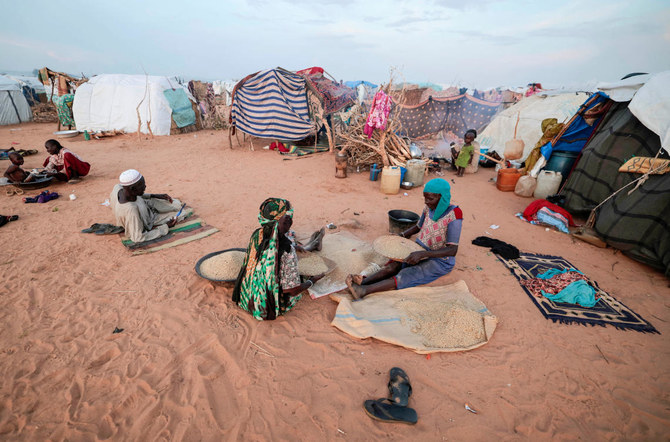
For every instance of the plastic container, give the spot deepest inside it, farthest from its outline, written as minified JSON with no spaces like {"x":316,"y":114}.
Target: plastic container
{"x":484,"y":150}
{"x":525,"y":186}
{"x":403,"y":171}
{"x":562,"y":161}
{"x":507,"y":179}
{"x":415,"y":172}
{"x":374,"y":172}
{"x":548,"y":182}
{"x":390,"y":182}
{"x":401,"y":220}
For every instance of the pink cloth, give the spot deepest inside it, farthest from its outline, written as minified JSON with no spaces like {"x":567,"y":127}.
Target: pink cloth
{"x":379,"y":113}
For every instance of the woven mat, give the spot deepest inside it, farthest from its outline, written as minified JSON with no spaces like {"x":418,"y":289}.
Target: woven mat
{"x":182,"y":233}
{"x":608,"y":311}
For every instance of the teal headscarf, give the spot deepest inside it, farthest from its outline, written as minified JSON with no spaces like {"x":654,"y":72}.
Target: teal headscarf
{"x":441,"y":186}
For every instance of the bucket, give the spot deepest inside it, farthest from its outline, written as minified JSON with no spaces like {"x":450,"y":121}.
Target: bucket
{"x":401,"y":220}
{"x":507,"y":179}
{"x":415,"y":172}
{"x":561,"y":161}
{"x":548,"y":182}
{"x":390,"y":182}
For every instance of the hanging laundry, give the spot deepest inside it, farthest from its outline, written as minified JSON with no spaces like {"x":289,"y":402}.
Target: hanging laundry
{"x":379,"y":113}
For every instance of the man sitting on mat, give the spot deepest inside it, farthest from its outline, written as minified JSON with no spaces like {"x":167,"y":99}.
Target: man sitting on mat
{"x":143,"y":216}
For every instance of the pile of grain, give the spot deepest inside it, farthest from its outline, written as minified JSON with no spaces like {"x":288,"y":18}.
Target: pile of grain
{"x":395,"y":247}
{"x":444,"y":324}
{"x":224,"y":266}
{"x":312,"y":265}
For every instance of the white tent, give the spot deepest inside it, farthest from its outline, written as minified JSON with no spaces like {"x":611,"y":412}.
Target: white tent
{"x":651,"y":105}
{"x":531,"y":111}
{"x":110,"y":102}
{"x":14,"y":107}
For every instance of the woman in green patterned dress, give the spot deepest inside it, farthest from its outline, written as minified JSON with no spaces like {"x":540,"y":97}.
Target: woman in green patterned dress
{"x":269,"y":284}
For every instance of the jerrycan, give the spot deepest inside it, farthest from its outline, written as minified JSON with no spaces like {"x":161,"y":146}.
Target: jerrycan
{"x":390,"y":182}
{"x":548,"y":182}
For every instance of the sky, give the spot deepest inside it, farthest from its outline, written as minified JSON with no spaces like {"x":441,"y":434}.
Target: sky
{"x":478,"y":44}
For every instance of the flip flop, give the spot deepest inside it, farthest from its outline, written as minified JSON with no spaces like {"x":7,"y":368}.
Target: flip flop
{"x":399,"y":387}
{"x":92,"y":229}
{"x":108,"y":229}
{"x":389,"y":412}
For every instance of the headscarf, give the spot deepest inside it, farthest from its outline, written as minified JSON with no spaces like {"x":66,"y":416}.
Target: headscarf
{"x":257,"y":289}
{"x":441,"y":186}
{"x":129,"y":177}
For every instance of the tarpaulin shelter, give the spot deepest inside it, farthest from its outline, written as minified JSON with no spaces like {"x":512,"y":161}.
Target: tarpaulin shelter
{"x":530,"y":111}
{"x":333,"y":95}
{"x":272,"y":104}
{"x":635,"y":222}
{"x":33,"y":89}
{"x":14,"y":107}
{"x":132,"y":103}
{"x":450,"y":114}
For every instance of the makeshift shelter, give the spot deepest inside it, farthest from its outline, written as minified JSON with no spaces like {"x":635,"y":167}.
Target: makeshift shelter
{"x":530,"y":112}
{"x":450,"y":114}
{"x":628,"y":215}
{"x":14,"y":107}
{"x":57,"y":84}
{"x":132,"y":103}
{"x":272,"y":104}
{"x":32,"y":88}
{"x":333,"y":95}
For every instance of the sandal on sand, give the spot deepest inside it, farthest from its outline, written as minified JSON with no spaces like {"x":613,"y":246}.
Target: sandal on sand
{"x":15,"y":191}
{"x":108,"y":229}
{"x":5,"y":219}
{"x":399,"y":387}
{"x":92,"y":229}
{"x":386,"y":411}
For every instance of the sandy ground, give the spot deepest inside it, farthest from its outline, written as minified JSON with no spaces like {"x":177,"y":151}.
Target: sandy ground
{"x":187,"y":365}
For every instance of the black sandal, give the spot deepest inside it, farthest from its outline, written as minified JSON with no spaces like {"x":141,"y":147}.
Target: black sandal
{"x":399,"y":387}
{"x":386,"y":411}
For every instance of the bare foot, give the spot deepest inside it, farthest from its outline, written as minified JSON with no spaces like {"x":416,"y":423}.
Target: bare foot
{"x":357,"y":292}
{"x":358,"y":279}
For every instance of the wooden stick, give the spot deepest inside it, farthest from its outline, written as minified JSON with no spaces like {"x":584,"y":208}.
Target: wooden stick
{"x":492,"y":159}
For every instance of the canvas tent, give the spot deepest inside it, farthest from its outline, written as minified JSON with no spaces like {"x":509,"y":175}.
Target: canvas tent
{"x":530,"y":111}
{"x":14,"y":107}
{"x":608,"y":132}
{"x":33,"y":89}
{"x":131,"y":102}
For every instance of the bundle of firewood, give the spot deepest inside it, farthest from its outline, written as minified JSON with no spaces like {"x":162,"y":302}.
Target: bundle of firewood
{"x":383,"y":147}
{"x":44,"y":113}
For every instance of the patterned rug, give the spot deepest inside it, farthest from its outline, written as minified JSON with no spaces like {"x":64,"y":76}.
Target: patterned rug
{"x":182,"y":233}
{"x":607,"y":311}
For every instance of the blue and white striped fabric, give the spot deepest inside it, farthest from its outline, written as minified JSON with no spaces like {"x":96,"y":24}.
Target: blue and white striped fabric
{"x":273,"y":104}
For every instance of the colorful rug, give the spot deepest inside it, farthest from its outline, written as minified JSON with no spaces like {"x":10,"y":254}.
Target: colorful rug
{"x":299,"y":151}
{"x":182,"y":233}
{"x":608,"y":311}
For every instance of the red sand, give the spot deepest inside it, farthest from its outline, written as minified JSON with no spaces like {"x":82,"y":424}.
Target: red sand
{"x":188,"y":365}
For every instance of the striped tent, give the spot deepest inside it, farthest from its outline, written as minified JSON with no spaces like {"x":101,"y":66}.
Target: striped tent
{"x":272,"y":104}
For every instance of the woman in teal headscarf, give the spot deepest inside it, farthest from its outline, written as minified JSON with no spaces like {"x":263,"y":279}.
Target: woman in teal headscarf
{"x":439,"y":230}
{"x":269,"y":284}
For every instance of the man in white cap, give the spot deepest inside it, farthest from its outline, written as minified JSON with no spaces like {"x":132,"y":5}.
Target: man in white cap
{"x":144,"y":216}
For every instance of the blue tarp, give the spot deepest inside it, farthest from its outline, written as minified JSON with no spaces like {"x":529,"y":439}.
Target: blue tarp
{"x":578,"y":130}
{"x":354,"y":84}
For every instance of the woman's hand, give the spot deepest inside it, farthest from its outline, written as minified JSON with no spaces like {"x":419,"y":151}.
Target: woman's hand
{"x":316,"y":278}
{"x":414,"y":258}
{"x":172,"y":222}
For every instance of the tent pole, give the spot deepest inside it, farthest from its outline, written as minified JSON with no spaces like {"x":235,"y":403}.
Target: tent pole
{"x":230,"y":138}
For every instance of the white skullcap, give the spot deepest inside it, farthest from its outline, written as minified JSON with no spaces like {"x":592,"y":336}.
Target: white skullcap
{"x":129,"y":177}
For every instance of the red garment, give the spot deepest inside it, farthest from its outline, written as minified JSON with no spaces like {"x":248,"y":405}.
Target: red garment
{"x":311,"y":71}
{"x":278,"y":146}
{"x":71,"y":162}
{"x":538,"y":204}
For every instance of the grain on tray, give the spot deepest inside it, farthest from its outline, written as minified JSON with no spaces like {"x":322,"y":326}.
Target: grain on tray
{"x":444,"y":324}
{"x":395,"y":247}
{"x":224,"y":266}
{"x":312,"y":265}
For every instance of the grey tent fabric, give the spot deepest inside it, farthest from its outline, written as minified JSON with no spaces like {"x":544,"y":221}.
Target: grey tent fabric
{"x":638,"y":224}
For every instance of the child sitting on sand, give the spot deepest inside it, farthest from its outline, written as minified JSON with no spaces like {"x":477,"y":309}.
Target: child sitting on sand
{"x":14,"y":173}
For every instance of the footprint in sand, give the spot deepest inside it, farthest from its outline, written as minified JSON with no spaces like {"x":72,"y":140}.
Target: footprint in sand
{"x":105,"y":358}
{"x":74,"y":397}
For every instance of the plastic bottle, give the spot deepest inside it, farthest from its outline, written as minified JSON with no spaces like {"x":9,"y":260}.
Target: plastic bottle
{"x":87,"y":136}
{"x":548,"y":182}
{"x":390,"y":182}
